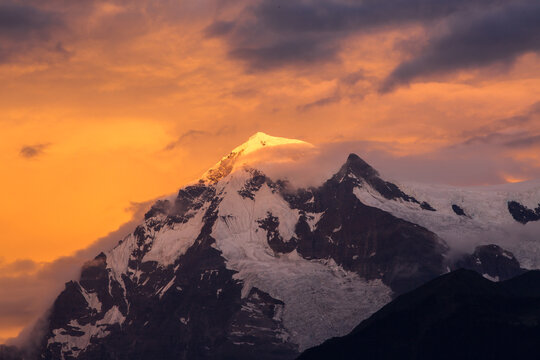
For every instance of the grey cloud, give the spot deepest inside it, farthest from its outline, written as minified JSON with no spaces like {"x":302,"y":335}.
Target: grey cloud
{"x":337,"y":16}
{"x":524,"y":142}
{"x":32,"y":151}
{"x":515,"y":131}
{"x":226,"y":130}
{"x":492,"y":138}
{"x":498,"y":125}
{"x":276,"y":33}
{"x":21,"y":21}
{"x":201,"y":136}
{"x":495,"y":36}
{"x":25,"y":27}
{"x":348,"y":87}
{"x":514,"y":140}
{"x":353,"y":78}
{"x":219,"y":28}
{"x":245,"y":93}
{"x":321,"y":102}
{"x":307,"y":50}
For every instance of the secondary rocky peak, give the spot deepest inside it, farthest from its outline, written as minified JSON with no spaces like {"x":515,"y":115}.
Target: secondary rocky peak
{"x":361,"y":173}
{"x":361,"y":169}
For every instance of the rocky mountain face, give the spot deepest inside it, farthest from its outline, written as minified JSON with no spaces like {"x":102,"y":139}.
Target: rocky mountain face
{"x":362,"y":239}
{"x":492,"y":261}
{"x":522,"y":213}
{"x":460,"y":315}
{"x":240,"y":266}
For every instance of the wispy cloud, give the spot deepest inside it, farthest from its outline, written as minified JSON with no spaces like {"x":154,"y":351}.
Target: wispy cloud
{"x":186,"y":136}
{"x":32,"y":151}
{"x":352,"y":86}
{"x":515,"y":131}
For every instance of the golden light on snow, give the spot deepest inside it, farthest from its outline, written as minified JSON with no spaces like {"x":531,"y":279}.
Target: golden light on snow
{"x":276,"y":150}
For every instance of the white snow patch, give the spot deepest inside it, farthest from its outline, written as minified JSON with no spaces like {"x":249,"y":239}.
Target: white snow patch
{"x":91,"y":299}
{"x":167,"y":287}
{"x":312,"y":219}
{"x":171,"y":242}
{"x":118,"y":258}
{"x":76,"y":344}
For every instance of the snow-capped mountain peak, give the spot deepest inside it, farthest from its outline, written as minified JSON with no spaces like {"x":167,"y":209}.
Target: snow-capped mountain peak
{"x":241,"y":265}
{"x":247,"y":153}
{"x":261,"y":140}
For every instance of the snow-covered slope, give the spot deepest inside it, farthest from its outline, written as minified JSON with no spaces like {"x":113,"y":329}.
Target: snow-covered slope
{"x":240,"y":265}
{"x":470,"y":216}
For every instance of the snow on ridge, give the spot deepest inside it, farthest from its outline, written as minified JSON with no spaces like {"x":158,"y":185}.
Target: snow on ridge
{"x":527,"y":193}
{"x":487,"y":219}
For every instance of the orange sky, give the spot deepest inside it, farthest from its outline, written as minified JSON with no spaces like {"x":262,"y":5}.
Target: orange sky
{"x":115,"y":103}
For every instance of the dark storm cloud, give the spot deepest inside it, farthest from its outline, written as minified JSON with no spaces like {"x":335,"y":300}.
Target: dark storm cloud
{"x":308,"y":49}
{"x":24,"y":27}
{"x":494,"y":36}
{"x":32,"y":151}
{"x":275,"y":33}
{"x":20,"y":21}
{"x":332,"y":15}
